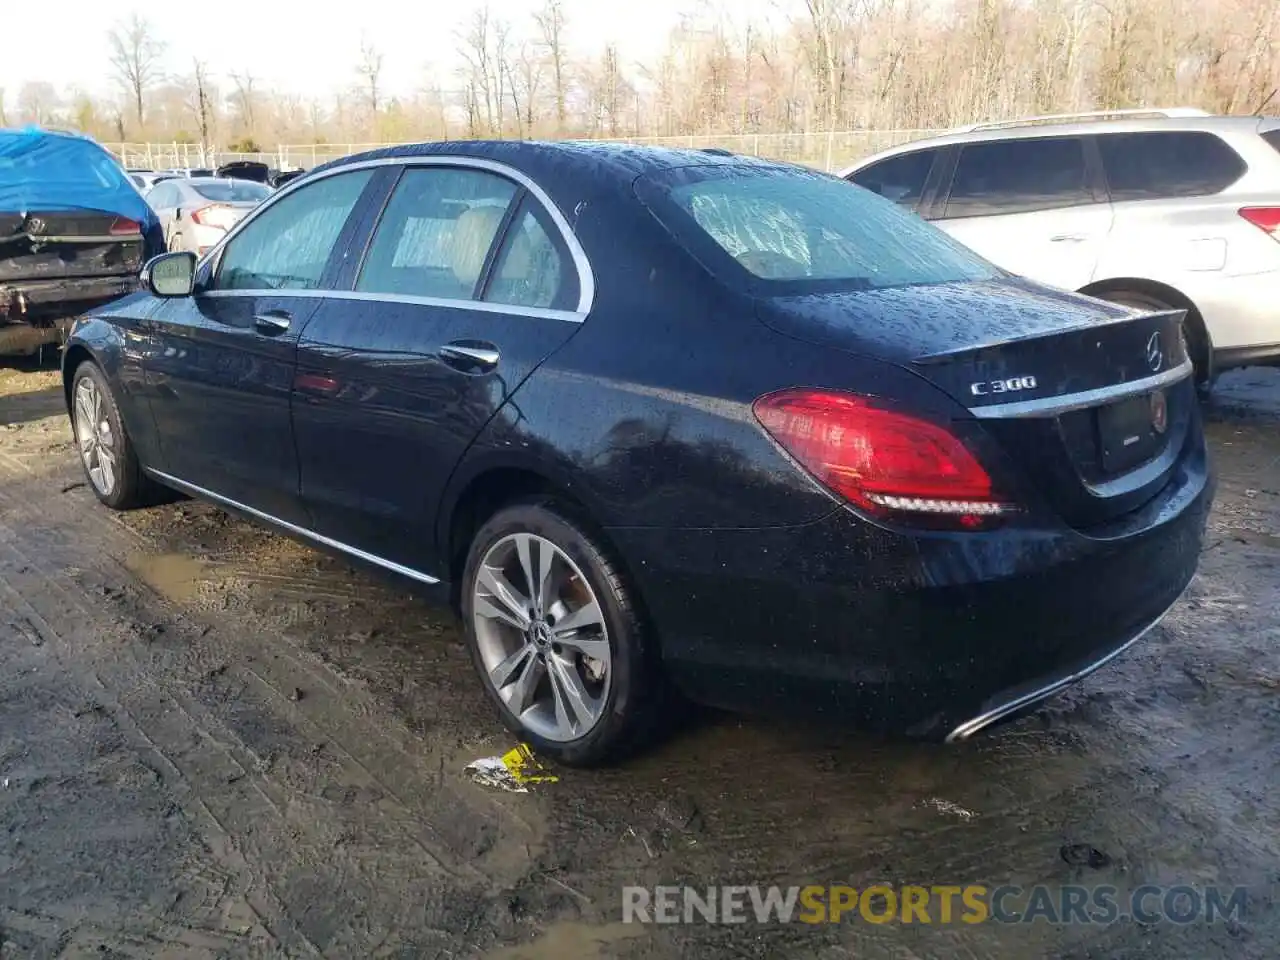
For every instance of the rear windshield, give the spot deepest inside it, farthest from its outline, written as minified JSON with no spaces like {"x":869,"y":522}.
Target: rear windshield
{"x":790,"y":231}
{"x":232,"y":191}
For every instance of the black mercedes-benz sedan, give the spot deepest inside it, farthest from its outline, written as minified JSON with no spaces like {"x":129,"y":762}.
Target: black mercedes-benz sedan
{"x":660,"y":421}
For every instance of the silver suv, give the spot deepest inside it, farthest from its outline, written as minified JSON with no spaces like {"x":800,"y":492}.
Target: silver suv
{"x":1149,"y":208}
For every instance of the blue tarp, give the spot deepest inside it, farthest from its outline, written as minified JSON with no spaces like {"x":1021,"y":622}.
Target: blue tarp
{"x":43,"y":170}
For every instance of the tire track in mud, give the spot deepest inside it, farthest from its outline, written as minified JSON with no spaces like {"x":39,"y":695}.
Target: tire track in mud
{"x":201,"y":738}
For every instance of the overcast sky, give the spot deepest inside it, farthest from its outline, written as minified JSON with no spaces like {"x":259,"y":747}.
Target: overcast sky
{"x":64,"y":41}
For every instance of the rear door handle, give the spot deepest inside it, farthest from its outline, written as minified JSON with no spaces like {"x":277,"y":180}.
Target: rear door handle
{"x":272,"y":323}
{"x":470,"y":355}
{"x":1068,"y":238}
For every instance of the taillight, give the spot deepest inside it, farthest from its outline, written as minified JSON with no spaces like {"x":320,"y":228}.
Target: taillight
{"x":881,"y":460}
{"x":124,"y":227}
{"x":1266,"y":219}
{"x":215,"y":215}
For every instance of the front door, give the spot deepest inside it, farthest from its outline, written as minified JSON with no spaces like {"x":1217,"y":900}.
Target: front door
{"x":220,"y":372}
{"x":466,"y":287}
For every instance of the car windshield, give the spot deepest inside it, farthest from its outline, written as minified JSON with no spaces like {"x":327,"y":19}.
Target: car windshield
{"x":791,"y":231}
{"x":232,"y":191}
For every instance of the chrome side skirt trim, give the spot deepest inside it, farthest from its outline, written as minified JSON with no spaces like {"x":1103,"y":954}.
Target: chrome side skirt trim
{"x":970,"y":727}
{"x":294,"y":528}
{"x":1052,"y":406}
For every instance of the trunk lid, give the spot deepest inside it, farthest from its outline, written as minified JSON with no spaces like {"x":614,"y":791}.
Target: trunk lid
{"x":64,"y":244}
{"x":1093,"y":402}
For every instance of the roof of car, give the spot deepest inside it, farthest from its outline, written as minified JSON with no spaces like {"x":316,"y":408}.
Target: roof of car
{"x":1121,"y":121}
{"x":530,"y":155}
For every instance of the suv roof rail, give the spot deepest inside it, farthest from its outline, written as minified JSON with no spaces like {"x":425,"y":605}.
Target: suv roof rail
{"x":1138,"y":113}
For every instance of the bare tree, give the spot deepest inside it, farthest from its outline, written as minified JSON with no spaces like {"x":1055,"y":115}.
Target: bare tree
{"x":203,"y":106}
{"x":37,"y":101}
{"x":245,"y":98}
{"x":551,"y":23}
{"x":135,"y":58}
{"x":369,"y":69}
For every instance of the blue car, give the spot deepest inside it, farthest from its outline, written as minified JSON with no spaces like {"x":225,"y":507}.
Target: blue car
{"x":74,"y":232}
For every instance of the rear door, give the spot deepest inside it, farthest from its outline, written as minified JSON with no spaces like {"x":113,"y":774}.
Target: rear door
{"x":467,"y":284}
{"x":220,"y":369}
{"x":1035,"y":207}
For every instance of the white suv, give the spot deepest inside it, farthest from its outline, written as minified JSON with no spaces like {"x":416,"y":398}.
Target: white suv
{"x":1169,"y":208}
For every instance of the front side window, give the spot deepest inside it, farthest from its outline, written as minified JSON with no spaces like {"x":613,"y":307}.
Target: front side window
{"x":1167,"y":163}
{"x":288,"y":245}
{"x":788,"y":230}
{"x":434,"y":237}
{"x":900,"y":179}
{"x":1018,"y":176}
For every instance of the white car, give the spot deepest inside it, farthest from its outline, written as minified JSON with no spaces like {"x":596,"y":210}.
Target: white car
{"x":1149,"y":208}
{"x":197,"y":212}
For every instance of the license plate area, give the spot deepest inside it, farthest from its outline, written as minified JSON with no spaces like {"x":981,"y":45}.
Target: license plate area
{"x":1128,"y":433}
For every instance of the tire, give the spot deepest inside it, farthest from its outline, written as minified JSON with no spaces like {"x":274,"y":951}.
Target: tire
{"x":106,"y":453}
{"x":528,"y":671}
{"x":1197,"y":342}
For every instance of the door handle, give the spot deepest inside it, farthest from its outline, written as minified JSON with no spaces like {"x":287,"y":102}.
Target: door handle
{"x":272,"y":322}
{"x":470,"y":355}
{"x":1068,"y":238}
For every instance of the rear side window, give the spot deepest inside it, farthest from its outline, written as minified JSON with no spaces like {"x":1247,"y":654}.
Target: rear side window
{"x":788,"y":231}
{"x":900,"y":179}
{"x":1167,"y":163}
{"x":435,"y":234}
{"x":1272,"y":137}
{"x":533,"y":269}
{"x":161,"y":196}
{"x":1018,"y":176}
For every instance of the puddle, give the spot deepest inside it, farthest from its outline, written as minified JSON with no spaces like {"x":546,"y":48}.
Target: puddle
{"x":562,"y":941}
{"x":172,"y":575}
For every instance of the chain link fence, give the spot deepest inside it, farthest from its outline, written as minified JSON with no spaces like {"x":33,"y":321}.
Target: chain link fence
{"x":827,"y":151}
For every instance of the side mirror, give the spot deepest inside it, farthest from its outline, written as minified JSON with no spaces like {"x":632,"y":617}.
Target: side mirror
{"x":169,"y":274}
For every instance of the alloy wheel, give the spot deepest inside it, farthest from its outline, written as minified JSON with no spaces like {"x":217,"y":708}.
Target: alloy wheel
{"x":542,"y":637}
{"x":95,"y":437}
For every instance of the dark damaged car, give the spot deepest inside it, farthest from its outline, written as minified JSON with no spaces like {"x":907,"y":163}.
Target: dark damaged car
{"x":667,"y":418}
{"x":74,"y":232}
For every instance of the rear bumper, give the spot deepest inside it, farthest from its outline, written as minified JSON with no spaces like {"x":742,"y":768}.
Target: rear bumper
{"x":935,"y":635}
{"x":21,"y":298}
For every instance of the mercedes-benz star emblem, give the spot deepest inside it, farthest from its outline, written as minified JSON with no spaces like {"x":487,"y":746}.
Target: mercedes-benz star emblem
{"x":1155,"y":355}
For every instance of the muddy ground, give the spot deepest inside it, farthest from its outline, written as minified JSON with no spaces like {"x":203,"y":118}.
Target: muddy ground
{"x":216,"y":742}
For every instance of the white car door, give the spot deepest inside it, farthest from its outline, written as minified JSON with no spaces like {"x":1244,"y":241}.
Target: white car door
{"x":1029,"y":206}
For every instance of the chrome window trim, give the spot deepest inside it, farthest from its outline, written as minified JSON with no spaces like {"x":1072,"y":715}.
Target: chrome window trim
{"x":1053,"y":406}
{"x":295,"y":529}
{"x":586,"y":279}
{"x":571,"y":316}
